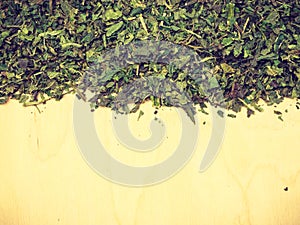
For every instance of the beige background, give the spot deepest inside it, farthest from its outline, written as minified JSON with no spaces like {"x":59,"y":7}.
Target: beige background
{"x":45,"y":180}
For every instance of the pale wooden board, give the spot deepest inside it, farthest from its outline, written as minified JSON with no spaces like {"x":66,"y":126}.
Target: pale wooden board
{"x":45,"y":180}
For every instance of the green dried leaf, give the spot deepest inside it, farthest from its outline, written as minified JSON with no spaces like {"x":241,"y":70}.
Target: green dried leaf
{"x":213,"y":82}
{"x":114,"y":28}
{"x":141,"y":113}
{"x":110,"y":14}
{"x":227,"y":41}
{"x":52,"y":75}
{"x":70,"y":44}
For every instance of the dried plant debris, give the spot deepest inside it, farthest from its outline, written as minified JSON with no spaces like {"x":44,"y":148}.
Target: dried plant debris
{"x":251,"y":48}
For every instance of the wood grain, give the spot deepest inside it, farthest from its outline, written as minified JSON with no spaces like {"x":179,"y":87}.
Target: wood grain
{"x":45,"y":180}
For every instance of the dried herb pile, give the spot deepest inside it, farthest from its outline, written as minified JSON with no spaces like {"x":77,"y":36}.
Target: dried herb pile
{"x":251,"y":47}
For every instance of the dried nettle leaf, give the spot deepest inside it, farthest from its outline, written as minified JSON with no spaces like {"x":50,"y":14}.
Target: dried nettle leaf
{"x":250,"y":49}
